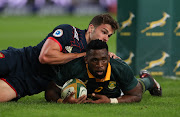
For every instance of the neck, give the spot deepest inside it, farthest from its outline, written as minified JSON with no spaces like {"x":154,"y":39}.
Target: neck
{"x":87,"y":36}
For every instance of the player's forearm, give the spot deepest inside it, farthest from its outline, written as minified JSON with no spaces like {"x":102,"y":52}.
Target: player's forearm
{"x":134,"y":95}
{"x":129,"y":99}
{"x":51,"y":54}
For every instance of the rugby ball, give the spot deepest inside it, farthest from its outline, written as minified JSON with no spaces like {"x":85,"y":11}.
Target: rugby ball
{"x":73,"y":85}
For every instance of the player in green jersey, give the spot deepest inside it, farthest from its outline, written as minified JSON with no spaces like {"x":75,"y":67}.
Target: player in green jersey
{"x":107,"y":80}
{"x":28,"y":70}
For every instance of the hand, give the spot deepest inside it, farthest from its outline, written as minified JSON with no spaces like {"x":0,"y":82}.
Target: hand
{"x":100,"y":99}
{"x":114,"y":56}
{"x":70,"y":99}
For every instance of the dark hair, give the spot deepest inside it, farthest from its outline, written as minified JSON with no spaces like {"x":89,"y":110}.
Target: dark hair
{"x":104,"y":19}
{"x":96,"y":45}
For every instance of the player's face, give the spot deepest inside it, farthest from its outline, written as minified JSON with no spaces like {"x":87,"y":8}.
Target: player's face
{"x":102,"y":32}
{"x":97,"y":62}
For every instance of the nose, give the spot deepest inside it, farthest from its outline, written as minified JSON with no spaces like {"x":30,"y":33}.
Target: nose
{"x":106,"y":38}
{"x":99,"y":64}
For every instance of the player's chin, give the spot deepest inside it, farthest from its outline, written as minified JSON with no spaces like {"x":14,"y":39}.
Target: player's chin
{"x":100,"y":74}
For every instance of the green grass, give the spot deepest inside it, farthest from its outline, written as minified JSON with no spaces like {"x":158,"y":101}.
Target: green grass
{"x":26,"y":31}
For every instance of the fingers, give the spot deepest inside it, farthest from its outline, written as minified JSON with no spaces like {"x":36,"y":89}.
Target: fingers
{"x":69,"y":98}
{"x":99,"y":99}
{"x":81,"y":99}
{"x":88,"y":101}
{"x":93,"y":101}
{"x":71,"y":94}
{"x":72,"y":100}
{"x":116,"y":57}
{"x":112,"y":55}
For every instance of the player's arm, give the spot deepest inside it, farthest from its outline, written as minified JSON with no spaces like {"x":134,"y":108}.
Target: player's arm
{"x":51,"y":54}
{"x":53,"y":94}
{"x":134,"y":95}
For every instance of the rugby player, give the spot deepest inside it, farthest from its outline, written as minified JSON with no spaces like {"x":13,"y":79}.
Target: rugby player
{"x":28,"y":70}
{"x":108,"y":80}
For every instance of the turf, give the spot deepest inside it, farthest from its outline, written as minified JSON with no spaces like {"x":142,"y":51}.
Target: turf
{"x":28,"y":31}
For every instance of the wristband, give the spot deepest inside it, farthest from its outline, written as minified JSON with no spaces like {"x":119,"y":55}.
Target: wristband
{"x":113,"y":100}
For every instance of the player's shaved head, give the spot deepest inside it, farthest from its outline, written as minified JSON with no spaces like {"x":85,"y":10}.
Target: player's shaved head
{"x":96,"y":45}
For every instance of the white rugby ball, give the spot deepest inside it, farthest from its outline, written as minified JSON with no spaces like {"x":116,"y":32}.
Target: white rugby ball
{"x":73,"y":85}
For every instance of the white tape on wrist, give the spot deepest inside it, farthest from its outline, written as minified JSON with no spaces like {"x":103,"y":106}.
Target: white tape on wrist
{"x":113,"y":100}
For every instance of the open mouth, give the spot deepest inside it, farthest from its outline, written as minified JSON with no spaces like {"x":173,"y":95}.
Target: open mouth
{"x":99,"y":72}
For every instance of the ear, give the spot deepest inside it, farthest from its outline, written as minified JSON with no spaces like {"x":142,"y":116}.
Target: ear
{"x":91,"y":28}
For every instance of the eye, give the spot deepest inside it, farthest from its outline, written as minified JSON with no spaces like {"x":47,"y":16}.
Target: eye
{"x":104,"y":60}
{"x":94,"y":60}
{"x":104,"y":31}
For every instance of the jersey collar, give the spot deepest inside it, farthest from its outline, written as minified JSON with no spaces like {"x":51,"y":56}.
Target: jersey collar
{"x":106,"y":78}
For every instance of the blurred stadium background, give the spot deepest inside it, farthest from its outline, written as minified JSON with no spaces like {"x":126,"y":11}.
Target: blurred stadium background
{"x":56,"y":7}
{"x":27,"y":22}
{"x":36,"y":18}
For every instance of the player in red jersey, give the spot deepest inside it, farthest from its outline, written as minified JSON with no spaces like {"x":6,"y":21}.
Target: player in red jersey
{"x":28,"y":70}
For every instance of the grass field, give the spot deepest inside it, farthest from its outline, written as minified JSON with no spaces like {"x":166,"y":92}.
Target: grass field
{"x":26,"y":31}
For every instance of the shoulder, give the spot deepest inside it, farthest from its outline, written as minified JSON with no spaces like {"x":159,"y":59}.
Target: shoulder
{"x":121,"y":69}
{"x":64,"y":26}
{"x":63,"y":30}
{"x":118,"y":63}
{"x":123,"y":74}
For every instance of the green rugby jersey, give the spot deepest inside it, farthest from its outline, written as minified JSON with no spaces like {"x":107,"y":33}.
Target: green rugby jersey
{"x":119,"y":77}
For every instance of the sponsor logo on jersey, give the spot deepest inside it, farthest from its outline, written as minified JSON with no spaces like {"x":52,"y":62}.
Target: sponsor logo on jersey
{"x":69,"y":48}
{"x":2,"y":55}
{"x":75,"y":34}
{"x":99,"y":89}
{"x":112,"y":84}
{"x":58,"y":33}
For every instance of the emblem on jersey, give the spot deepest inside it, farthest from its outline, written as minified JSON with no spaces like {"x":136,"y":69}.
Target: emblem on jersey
{"x":99,"y":89}
{"x":58,"y":33}
{"x":2,"y":55}
{"x":75,"y":34}
{"x":69,"y":48}
{"x":112,"y":84}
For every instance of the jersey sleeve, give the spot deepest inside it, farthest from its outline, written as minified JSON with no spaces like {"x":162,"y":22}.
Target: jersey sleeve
{"x":125,"y":76}
{"x":62,"y":35}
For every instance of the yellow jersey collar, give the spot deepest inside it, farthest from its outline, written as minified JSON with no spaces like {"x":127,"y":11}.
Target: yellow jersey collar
{"x":106,"y":78}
